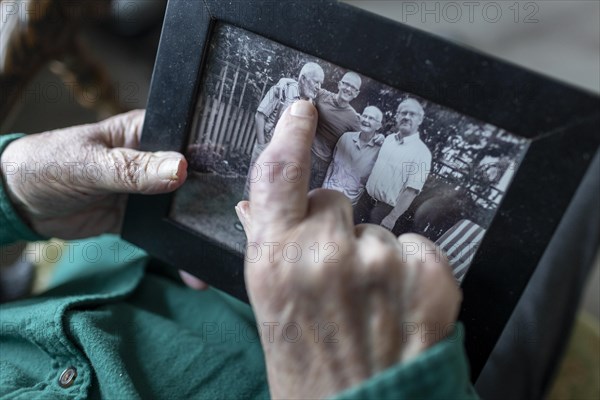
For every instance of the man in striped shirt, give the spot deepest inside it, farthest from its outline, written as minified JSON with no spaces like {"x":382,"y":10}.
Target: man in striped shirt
{"x":279,"y":97}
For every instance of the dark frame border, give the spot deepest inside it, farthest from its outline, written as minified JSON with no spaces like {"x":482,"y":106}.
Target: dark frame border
{"x":561,"y":122}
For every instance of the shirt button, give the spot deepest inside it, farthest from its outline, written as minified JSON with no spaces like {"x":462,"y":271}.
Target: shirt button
{"x":67,"y":377}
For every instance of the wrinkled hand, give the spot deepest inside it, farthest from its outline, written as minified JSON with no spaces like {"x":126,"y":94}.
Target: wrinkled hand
{"x":360,"y":282}
{"x":71,"y":183}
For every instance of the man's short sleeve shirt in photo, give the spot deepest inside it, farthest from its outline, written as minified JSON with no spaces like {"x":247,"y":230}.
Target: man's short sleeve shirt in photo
{"x":352,"y":163}
{"x":333,"y":122}
{"x":279,"y":97}
{"x":401,"y":163}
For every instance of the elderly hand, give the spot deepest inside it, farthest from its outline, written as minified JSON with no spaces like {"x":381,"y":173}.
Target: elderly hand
{"x":336,"y":303}
{"x":71,"y":183}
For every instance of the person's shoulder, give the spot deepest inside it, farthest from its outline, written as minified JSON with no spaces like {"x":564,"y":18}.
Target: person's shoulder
{"x":281,"y":89}
{"x":421,"y":143}
{"x":349,"y":135}
{"x":353,"y":110}
{"x":356,"y":121}
{"x":346,"y":138}
{"x":289,"y":89}
{"x":324,"y":94}
{"x":283,"y":83}
{"x":379,"y":139}
{"x":423,"y":149}
{"x":286,"y":82}
{"x":389,"y":137}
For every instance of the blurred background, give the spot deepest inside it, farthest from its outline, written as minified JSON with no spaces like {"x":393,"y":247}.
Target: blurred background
{"x":64,"y":63}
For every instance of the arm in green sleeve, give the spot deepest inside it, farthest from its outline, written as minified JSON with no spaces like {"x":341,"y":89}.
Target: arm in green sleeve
{"x":441,"y":372}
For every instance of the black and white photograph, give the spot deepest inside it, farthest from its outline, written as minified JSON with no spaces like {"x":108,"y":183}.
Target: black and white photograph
{"x":405,"y":163}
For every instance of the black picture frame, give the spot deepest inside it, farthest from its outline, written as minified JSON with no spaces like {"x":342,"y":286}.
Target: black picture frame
{"x":561,"y":122}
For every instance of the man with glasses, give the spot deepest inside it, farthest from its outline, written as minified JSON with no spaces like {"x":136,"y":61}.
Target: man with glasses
{"x":336,"y":116}
{"x":279,"y":97}
{"x":355,"y":155}
{"x":400,"y":171}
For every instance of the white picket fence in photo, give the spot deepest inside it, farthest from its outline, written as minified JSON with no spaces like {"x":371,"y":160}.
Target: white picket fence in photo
{"x":222,"y":121}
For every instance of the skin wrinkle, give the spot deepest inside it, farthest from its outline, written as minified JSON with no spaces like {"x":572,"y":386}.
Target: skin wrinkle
{"x":357,"y":359}
{"x":365,"y":294}
{"x":378,"y":326}
{"x":397,"y":309}
{"x":35,"y":210}
{"x":411,"y":275}
{"x":378,"y":321}
{"x":90,"y":154}
{"x":409,"y":297}
{"x":332,"y":363}
{"x":90,"y":202}
{"x":129,"y":170}
{"x":116,"y":159}
{"x":361,"y":362}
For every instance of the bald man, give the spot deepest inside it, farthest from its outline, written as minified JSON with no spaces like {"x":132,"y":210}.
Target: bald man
{"x":400,"y":171}
{"x":279,"y":97}
{"x":336,"y":116}
{"x":354,"y":156}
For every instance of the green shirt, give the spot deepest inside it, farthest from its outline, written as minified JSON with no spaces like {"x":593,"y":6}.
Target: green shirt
{"x":129,"y":330}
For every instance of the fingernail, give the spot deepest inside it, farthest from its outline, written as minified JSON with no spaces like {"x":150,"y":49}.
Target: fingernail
{"x":240,"y":211}
{"x":302,"y":109}
{"x":169,"y":169}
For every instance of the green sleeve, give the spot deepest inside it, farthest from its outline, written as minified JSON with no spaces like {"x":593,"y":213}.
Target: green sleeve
{"x":12,"y":228}
{"x":441,"y":372}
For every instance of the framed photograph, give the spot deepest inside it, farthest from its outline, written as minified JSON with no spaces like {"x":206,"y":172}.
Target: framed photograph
{"x":423,"y":136}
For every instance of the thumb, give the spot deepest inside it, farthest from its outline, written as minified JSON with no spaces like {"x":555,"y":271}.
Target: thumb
{"x":191,"y":281}
{"x":132,"y":171}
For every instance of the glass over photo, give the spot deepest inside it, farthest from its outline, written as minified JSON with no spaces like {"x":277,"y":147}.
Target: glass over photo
{"x":405,"y":163}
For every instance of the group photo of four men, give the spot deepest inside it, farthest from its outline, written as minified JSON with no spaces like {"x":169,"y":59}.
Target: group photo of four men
{"x":381,"y":173}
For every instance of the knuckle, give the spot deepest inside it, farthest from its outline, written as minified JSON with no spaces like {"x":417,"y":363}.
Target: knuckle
{"x":333,"y":196}
{"x":128,"y":169}
{"x":378,"y":258}
{"x":437,"y":270}
{"x":331,"y":203}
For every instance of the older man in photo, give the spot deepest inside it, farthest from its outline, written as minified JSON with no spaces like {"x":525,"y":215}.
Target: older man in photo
{"x":336,"y":116}
{"x":279,"y":97}
{"x":400,"y":171}
{"x":355,"y":155}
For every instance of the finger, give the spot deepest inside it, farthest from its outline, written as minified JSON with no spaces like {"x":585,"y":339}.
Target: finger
{"x":124,"y":130}
{"x":332,"y":211}
{"x":242,"y":209}
{"x":379,"y":251}
{"x":420,"y":250}
{"x":278,"y":199}
{"x":124,"y":170}
{"x":191,"y":281}
{"x":435,"y":298}
{"x":364,"y":230}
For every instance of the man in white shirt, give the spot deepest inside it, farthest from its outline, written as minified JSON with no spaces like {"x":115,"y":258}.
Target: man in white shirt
{"x":400,"y":171}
